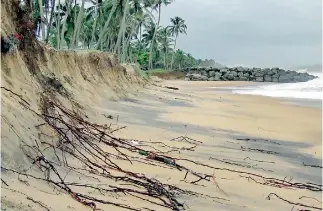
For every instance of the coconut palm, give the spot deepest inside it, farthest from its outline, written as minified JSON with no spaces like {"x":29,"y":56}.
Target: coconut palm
{"x":178,"y":27}
{"x":78,"y":26}
{"x":113,"y":6}
{"x":157,"y":6}
{"x":164,"y":38}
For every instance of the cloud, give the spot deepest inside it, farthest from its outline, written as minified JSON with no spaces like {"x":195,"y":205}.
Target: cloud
{"x":253,"y":32}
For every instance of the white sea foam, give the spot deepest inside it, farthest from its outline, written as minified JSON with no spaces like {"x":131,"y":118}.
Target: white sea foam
{"x":304,"y":90}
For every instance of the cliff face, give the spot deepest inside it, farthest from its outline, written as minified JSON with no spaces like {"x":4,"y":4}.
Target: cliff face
{"x":81,"y":77}
{"x":276,"y":75}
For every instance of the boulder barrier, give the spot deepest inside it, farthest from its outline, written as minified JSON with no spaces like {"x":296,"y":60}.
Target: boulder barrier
{"x":276,"y":75}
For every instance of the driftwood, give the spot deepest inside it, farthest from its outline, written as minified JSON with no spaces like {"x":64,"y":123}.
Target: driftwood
{"x":170,"y":87}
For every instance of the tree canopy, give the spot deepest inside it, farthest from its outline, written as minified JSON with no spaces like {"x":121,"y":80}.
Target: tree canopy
{"x":129,"y":28}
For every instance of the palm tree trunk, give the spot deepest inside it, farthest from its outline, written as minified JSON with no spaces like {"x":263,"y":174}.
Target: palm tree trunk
{"x":41,"y":10}
{"x":78,"y":26}
{"x":106,"y":25}
{"x":171,"y":64}
{"x":95,"y":21}
{"x":166,"y":59}
{"x":122,"y":28}
{"x":79,"y":23}
{"x":153,"y":40}
{"x":63,"y":29}
{"x":64,"y":24}
{"x":58,"y":24}
{"x":50,"y":20}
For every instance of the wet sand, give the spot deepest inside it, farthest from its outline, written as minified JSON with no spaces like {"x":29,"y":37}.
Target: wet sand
{"x":292,"y":132}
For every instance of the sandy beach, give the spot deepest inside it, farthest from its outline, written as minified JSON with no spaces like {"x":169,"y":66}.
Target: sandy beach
{"x":232,"y":129}
{"x":218,"y":120}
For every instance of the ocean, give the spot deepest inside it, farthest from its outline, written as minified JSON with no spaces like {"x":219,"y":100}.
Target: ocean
{"x":307,"y":94}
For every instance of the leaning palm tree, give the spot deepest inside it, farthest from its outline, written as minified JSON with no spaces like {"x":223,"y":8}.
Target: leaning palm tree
{"x":157,"y":6}
{"x":178,"y":27}
{"x":114,"y":5}
{"x":147,"y":37}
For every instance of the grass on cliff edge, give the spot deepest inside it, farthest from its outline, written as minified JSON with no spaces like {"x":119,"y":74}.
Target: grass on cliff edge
{"x":167,"y":74}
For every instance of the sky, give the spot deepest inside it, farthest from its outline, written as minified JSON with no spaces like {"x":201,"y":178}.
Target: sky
{"x":259,"y":33}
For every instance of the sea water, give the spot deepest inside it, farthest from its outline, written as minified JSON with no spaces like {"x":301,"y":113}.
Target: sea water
{"x":303,"y":93}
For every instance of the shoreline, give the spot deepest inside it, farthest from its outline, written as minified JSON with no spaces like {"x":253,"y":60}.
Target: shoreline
{"x":229,"y":87}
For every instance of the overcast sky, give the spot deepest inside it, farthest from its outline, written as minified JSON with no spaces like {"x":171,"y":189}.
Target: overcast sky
{"x":284,"y":33}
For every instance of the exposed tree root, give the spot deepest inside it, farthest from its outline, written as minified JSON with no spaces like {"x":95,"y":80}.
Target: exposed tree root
{"x":290,"y":202}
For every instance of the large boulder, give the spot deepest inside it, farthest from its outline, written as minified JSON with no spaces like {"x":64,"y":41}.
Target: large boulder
{"x":246,"y":75}
{"x":234,"y":73}
{"x":228,"y":77}
{"x":243,"y":78}
{"x":275,"y":80}
{"x":271,"y":72}
{"x":204,"y":78}
{"x":259,"y":79}
{"x":212,"y":73}
{"x":240,"y":69}
{"x":284,"y":79}
{"x":259,"y":74}
{"x":211,"y":79}
{"x":203,"y":72}
{"x":195,"y":77}
{"x":224,"y":70}
{"x":267,"y":78}
{"x":217,"y":78}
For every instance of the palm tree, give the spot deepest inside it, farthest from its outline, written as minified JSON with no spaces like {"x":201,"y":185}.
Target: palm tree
{"x":50,"y":20}
{"x":78,"y":26}
{"x":113,"y":7}
{"x":148,"y":36}
{"x":95,"y":17}
{"x":180,"y":58}
{"x":42,"y":19}
{"x":143,"y":19}
{"x":164,"y":39}
{"x":157,"y":6}
{"x":178,"y":27}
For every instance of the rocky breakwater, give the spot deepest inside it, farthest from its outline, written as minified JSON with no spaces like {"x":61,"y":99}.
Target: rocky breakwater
{"x":276,"y":75}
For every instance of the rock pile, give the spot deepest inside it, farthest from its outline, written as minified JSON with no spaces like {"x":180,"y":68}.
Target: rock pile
{"x":276,"y":75}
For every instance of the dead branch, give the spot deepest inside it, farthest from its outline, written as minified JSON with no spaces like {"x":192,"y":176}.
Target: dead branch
{"x":257,"y":140}
{"x":314,"y":166}
{"x":260,"y":161}
{"x":307,"y":197}
{"x":39,"y":203}
{"x":258,"y":150}
{"x":4,"y":182}
{"x":293,"y":203}
{"x":235,"y":163}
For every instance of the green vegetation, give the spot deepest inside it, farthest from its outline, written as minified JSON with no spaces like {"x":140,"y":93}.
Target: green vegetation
{"x":159,"y":71}
{"x":127,"y":28}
